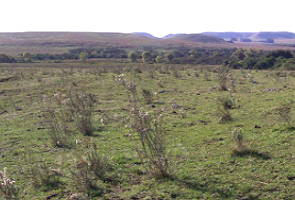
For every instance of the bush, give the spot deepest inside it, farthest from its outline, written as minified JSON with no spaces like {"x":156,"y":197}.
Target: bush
{"x":59,"y":133}
{"x":153,"y":144}
{"x":8,"y":189}
{"x":150,"y":132}
{"x":81,"y":106}
{"x":223,"y":107}
{"x":240,"y":145}
{"x":57,"y":120}
{"x":242,"y":149}
{"x":284,"y":112}
{"x":176,"y":74}
{"x":132,"y":55}
{"x":89,"y":172}
{"x":207,"y":76}
{"x":228,"y":102}
{"x":44,"y":177}
{"x":223,"y":76}
{"x":148,"y":96}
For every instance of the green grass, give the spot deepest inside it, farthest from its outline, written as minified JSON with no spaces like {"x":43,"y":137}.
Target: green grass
{"x":200,"y":147}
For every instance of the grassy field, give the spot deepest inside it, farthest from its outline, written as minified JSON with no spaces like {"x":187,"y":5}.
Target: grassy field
{"x":199,"y":149}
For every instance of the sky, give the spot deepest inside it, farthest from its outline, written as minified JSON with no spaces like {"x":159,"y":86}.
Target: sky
{"x":158,"y":17}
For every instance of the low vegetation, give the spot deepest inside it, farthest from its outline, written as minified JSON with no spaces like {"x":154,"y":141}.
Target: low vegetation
{"x":114,"y":130}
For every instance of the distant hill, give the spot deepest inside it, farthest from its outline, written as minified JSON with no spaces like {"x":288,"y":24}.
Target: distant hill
{"x":275,"y":35}
{"x":74,"y":39}
{"x":148,"y":35}
{"x":254,"y":36}
{"x":102,"y":39}
{"x":105,"y":39}
{"x":59,"y":42}
{"x":194,"y":38}
{"x":229,"y":35}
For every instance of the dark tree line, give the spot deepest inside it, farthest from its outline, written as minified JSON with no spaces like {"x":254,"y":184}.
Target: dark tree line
{"x":234,"y":58}
{"x":7,"y":59}
{"x":257,"y":59}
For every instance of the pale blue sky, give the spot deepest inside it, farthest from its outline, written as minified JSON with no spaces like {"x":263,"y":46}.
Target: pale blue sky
{"x":159,"y":17}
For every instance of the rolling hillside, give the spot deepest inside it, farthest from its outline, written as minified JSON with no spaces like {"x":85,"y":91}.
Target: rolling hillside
{"x":254,"y":36}
{"x":194,"y":38}
{"x":59,"y":42}
{"x":101,"y":39}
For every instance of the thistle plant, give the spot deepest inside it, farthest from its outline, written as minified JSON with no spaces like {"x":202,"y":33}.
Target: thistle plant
{"x":8,"y":189}
{"x":152,"y":149}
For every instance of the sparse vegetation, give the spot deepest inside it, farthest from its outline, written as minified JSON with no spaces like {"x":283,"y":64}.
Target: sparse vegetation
{"x":169,"y":145}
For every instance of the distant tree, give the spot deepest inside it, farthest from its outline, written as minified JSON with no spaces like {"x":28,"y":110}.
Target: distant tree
{"x":160,"y":59}
{"x":281,"y":53}
{"x":193,"y":53}
{"x":265,"y":63}
{"x":6,"y":59}
{"x":240,"y":54}
{"x":132,"y":55}
{"x":26,"y":57}
{"x":147,"y":57}
{"x":83,"y":56}
{"x":289,"y":64}
{"x":169,"y":57}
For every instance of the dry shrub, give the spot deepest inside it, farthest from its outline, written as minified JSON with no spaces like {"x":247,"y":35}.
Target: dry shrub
{"x":97,"y":162}
{"x":207,"y":76}
{"x":81,"y":106}
{"x":164,"y":69}
{"x":228,"y":102}
{"x":153,"y":144}
{"x":223,"y":76}
{"x":240,"y":145}
{"x":148,"y":96}
{"x":151,"y":135}
{"x":224,"y":104}
{"x":151,"y":74}
{"x":197,"y":75}
{"x":242,"y":149}
{"x":44,"y":177}
{"x":90,"y":172}
{"x":233,"y":83}
{"x":72,"y":109}
{"x":57,"y":120}
{"x":59,"y":133}
{"x":8,"y":189}
{"x":161,"y":84}
{"x":283,"y":113}
{"x":224,"y":115}
{"x":176,"y":74}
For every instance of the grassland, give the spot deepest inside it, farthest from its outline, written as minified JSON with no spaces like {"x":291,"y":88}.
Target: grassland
{"x":200,"y":148}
